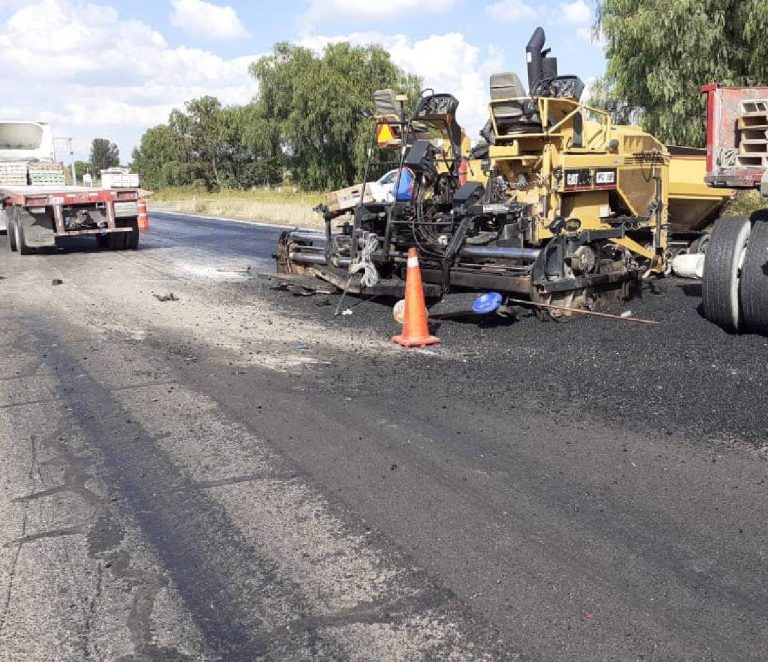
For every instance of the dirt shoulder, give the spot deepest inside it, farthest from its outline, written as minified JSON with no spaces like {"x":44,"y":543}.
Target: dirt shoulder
{"x":269,"y":206}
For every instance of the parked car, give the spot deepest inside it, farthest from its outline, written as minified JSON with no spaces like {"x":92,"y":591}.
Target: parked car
{"x":382,"y":189}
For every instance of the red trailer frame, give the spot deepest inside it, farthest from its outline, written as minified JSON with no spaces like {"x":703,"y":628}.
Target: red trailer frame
{"x":723,"y":109}
{"x":28,"y":198}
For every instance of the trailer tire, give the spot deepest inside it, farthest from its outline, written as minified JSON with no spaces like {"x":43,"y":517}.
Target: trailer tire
{"x":722,"y":267}
{"x":21,"y":243}
{"x":754,"y":281}
{"x":11,"y":231}
{"x":131,"y":238}
{"x":699,"y":245}
{"x":116,"y":241}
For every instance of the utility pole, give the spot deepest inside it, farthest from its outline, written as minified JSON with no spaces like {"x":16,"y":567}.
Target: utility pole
{"x":72,"y":161}
{"x":71,"y":156}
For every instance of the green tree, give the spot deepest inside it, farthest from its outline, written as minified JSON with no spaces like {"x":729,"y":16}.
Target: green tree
{"x":204,"y":129}
{"x":162,"y":159}
{"x":252,"y":158}
{"x":308,"y":109}
{"x":81,"y":167}
{"x":660,"y":53}
{"x":104,"y":154}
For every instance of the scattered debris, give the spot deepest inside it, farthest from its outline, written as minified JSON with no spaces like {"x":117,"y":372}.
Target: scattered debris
{"x":347,"y":311}
{"x":299,"y":291}
{"x":581,"y":311}
{"x":626,"y":313}
{"x":57,"y":281}
{"x":166,"y":297}
{"x":302,"y":347}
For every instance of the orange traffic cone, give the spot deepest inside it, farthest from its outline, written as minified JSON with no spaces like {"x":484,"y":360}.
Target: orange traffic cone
{"x":415,"y":329}
{"x":143,"y":216}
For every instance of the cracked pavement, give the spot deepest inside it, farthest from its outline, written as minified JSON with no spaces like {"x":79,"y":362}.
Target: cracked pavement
{"x":235,"y":474}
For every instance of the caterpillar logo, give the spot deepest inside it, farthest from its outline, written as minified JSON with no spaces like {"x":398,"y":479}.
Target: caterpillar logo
{"x":587,"y":179}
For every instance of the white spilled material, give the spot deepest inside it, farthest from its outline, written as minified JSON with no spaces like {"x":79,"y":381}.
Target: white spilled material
{"x":689,"y":266}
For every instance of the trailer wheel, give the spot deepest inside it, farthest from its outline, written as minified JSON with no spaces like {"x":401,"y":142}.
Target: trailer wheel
{"x":754,"y":281}
{"x":116,"y":241}
{"x":699,"y":245}
{"x":21,"y":242}
{"x":131,"y":238}
{"x":722,"y":267}
{"x":11,"y":231}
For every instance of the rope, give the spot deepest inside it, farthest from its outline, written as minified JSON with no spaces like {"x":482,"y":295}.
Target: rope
{"x":364,"y":263}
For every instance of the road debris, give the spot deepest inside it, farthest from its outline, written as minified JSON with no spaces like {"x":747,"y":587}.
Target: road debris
{"x":166,"y":297}
{"x":581,"y":311}
{"x":57,"y":281}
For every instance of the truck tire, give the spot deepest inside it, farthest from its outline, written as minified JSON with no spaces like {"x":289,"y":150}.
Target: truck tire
{"x":116,"y":241}
{"x":754,"y":281}
{"x":699,"y":245}
{"x":12,"y":235}
{"x":21,"y":242}
{"x":131,"y":238}
{"x":722,"y":271}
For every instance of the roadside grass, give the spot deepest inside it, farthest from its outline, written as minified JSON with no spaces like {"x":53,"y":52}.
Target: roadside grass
{"x":281,"y":205}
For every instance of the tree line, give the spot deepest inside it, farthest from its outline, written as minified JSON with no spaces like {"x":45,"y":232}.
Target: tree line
{"x":661,"y":52}
{"x":305,"y":124}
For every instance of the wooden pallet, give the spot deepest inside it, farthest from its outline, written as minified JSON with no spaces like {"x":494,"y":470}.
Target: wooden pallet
{"x":346,"y":198}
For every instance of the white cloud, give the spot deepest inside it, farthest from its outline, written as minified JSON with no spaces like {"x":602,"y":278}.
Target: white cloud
{"x":447,"y":63}
{"x":577,"y":12}
{"x":509,"y":11}
{"x":368,"y":10}
{"x":90,"y":74}
{"x":206,"y":19}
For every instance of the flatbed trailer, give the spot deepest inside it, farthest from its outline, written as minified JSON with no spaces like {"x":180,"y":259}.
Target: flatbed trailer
{"x":39,"y":217}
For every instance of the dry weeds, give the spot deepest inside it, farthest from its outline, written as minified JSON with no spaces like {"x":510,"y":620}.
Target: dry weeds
{"x":281,"y":206}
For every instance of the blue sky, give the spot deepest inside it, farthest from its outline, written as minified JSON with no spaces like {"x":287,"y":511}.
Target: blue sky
{"x":112,"y":69}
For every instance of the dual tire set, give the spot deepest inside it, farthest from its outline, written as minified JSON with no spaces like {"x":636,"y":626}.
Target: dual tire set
{"x":116,"y":241}
{"x":735,"y":282}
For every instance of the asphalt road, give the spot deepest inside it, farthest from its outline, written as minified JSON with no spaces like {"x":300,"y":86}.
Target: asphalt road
{"x":234,"y":473}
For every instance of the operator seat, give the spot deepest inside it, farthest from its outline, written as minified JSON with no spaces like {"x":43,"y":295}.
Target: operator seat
{"x":511,"y":116}
{"x":386,"y":104}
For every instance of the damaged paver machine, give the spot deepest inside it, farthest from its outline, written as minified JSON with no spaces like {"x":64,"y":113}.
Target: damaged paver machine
{"x":557,"y":205}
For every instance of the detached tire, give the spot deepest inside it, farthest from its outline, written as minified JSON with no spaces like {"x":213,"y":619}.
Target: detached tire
{"x":754,"y":281}
{"x":722,"y":267}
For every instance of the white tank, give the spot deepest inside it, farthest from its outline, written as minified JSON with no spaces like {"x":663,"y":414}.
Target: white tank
{"x":26,"y":141}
